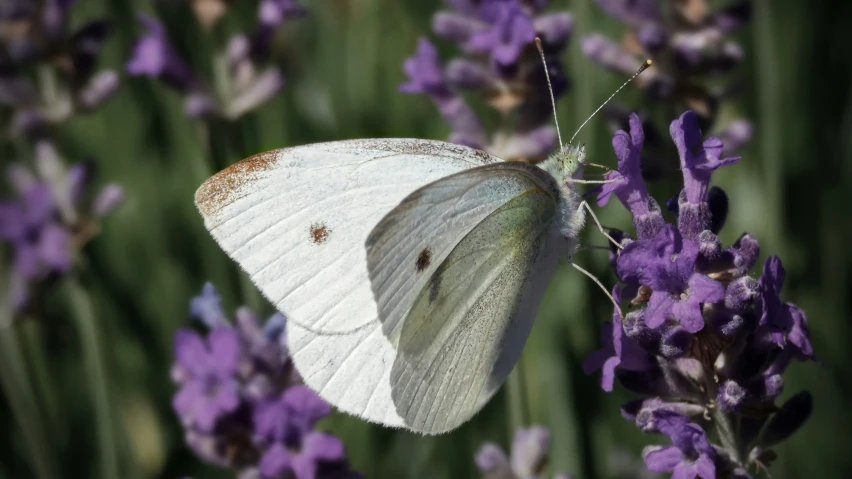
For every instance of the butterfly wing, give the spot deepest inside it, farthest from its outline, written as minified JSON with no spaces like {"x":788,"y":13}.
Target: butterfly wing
{"x":459,"y":324}
{"x":408,"y":245}
{"x":296,"y":219}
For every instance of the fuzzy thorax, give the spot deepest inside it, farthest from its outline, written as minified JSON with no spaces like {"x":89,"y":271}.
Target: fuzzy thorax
{"x":564,"y":165}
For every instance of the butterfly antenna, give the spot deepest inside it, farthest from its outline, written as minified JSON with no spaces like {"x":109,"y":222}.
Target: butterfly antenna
{"x":550,"y":89}
{"x":640,"y":70}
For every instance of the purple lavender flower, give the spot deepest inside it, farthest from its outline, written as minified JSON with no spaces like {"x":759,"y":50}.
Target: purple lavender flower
{"x":698,"y":161}
{"x":666,"y":264}
{"x":241,"y":401}
{"x":690,"y":47}
{"x":52,"y":217}
{"x":619,"y":350}
{"x":210,"y":389}
{"x":716,"y":342}
{"x":527,"y":458}
{"x":242,"y":83}
{"x":510,"y":33}
{"x":37,"y":34}
{"x":154,"y":56}
{"x":690,"y":455}
{"x":647,"y":216}
{"x":502,"y":65}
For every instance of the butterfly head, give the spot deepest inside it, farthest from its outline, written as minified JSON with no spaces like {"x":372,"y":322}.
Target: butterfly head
{"x":566,"y":163}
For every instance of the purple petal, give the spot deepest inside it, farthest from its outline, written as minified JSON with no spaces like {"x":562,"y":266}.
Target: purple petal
{"x":662,"y":459}
{"x":307,"y":404}
{"x":208,"y":307}
{"x":705,"y":467}
{"x":191,"y":352}
{"x":323,"y":447}
{"x":705,"y":290}
{"x":491,"y":460}
{"x":688,"y":314}
{"x":54,"y":248}
{"x":424,"y":70}
{"x":225,"y":350}
{"x":685,"y":470}
{"x":276,"y":461}
{"x":608,"y":373}
{"x":529,"y":450}
{"x":659,"y":308}
{"x":188,"y":396}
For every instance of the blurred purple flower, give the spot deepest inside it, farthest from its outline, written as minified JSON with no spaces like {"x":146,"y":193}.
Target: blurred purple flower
{"x":210,"y":389}
{"x":271,"y":13}
{"x":154,"y":56}
{"x":690,"y":46}
{"x":509,"y":77}
{"x":527,"y":460}
{"x":241,"y":401}
{"x":511,"y":31}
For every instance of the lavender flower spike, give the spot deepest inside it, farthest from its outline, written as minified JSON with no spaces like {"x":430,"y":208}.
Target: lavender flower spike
{"x":698,"y":161}
{"x":619,"y":350}
{"x":647,"y":217}
{"x":511,"y":32}
{"x":154,"y":56}
{"x":690,"y":455}
{"x":211,"y":391}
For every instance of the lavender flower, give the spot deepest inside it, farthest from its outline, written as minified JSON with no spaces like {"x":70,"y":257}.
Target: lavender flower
{"x":51,"y":218}
{"x":527,"y":459}
{"x":241,"y":81}
{"x":67,"y":83}
{"x":706,"y":344}
{"x":690,"y":49}
{"x":500,"y":62}
{"x":241,"y":400}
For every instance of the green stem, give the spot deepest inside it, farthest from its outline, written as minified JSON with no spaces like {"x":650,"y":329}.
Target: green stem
{"x":769,"y":96}
{"x":96,"y":375}
{"x":22,"y":401}
{"x":32,"y":339}
{"x":519,"y":404}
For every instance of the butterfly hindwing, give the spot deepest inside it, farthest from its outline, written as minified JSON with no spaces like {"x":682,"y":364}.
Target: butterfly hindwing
{"x":466,"y":316}
{"x":406,"y":247}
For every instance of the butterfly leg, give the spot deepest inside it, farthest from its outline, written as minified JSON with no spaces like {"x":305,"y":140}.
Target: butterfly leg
{"x":585,"y":204}
{"x":598,"y":282}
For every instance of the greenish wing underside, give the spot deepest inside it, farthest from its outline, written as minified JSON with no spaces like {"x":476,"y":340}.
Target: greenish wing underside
{"x":467,"y":326}
{"x":412,"y":241}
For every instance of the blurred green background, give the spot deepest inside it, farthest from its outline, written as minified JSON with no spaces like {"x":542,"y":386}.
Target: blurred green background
{"x":343,"y":64}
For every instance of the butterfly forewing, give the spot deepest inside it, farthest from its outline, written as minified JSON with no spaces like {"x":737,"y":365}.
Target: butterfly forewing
{"x":296,"y":219}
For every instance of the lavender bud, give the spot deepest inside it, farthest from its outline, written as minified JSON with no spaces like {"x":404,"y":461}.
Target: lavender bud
{"x":455,"y":27}
{"x":463,"y":73}
{"x":554,"y":29}
{"x":609,"y":55}
{"x":746,"y":250}
{"x":740,"y":294}
{"x":788,"y":420}
{"x":709,"y":245}
{"x":99,"y":89}
{"x":108,"y":199}
{"x":675,"y":341}
{"x":731,"y":396}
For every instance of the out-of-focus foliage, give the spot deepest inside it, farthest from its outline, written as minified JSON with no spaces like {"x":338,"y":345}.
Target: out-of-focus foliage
{"x":343,"y":64}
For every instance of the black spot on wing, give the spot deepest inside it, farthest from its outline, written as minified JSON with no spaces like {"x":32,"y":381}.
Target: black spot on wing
{"x":424,"y":259}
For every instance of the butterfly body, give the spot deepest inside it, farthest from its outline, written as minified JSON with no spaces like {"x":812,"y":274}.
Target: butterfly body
{"x":410,"y":270}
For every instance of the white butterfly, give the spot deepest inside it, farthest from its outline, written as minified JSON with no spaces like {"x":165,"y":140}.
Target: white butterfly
{"x":410,"y":271}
